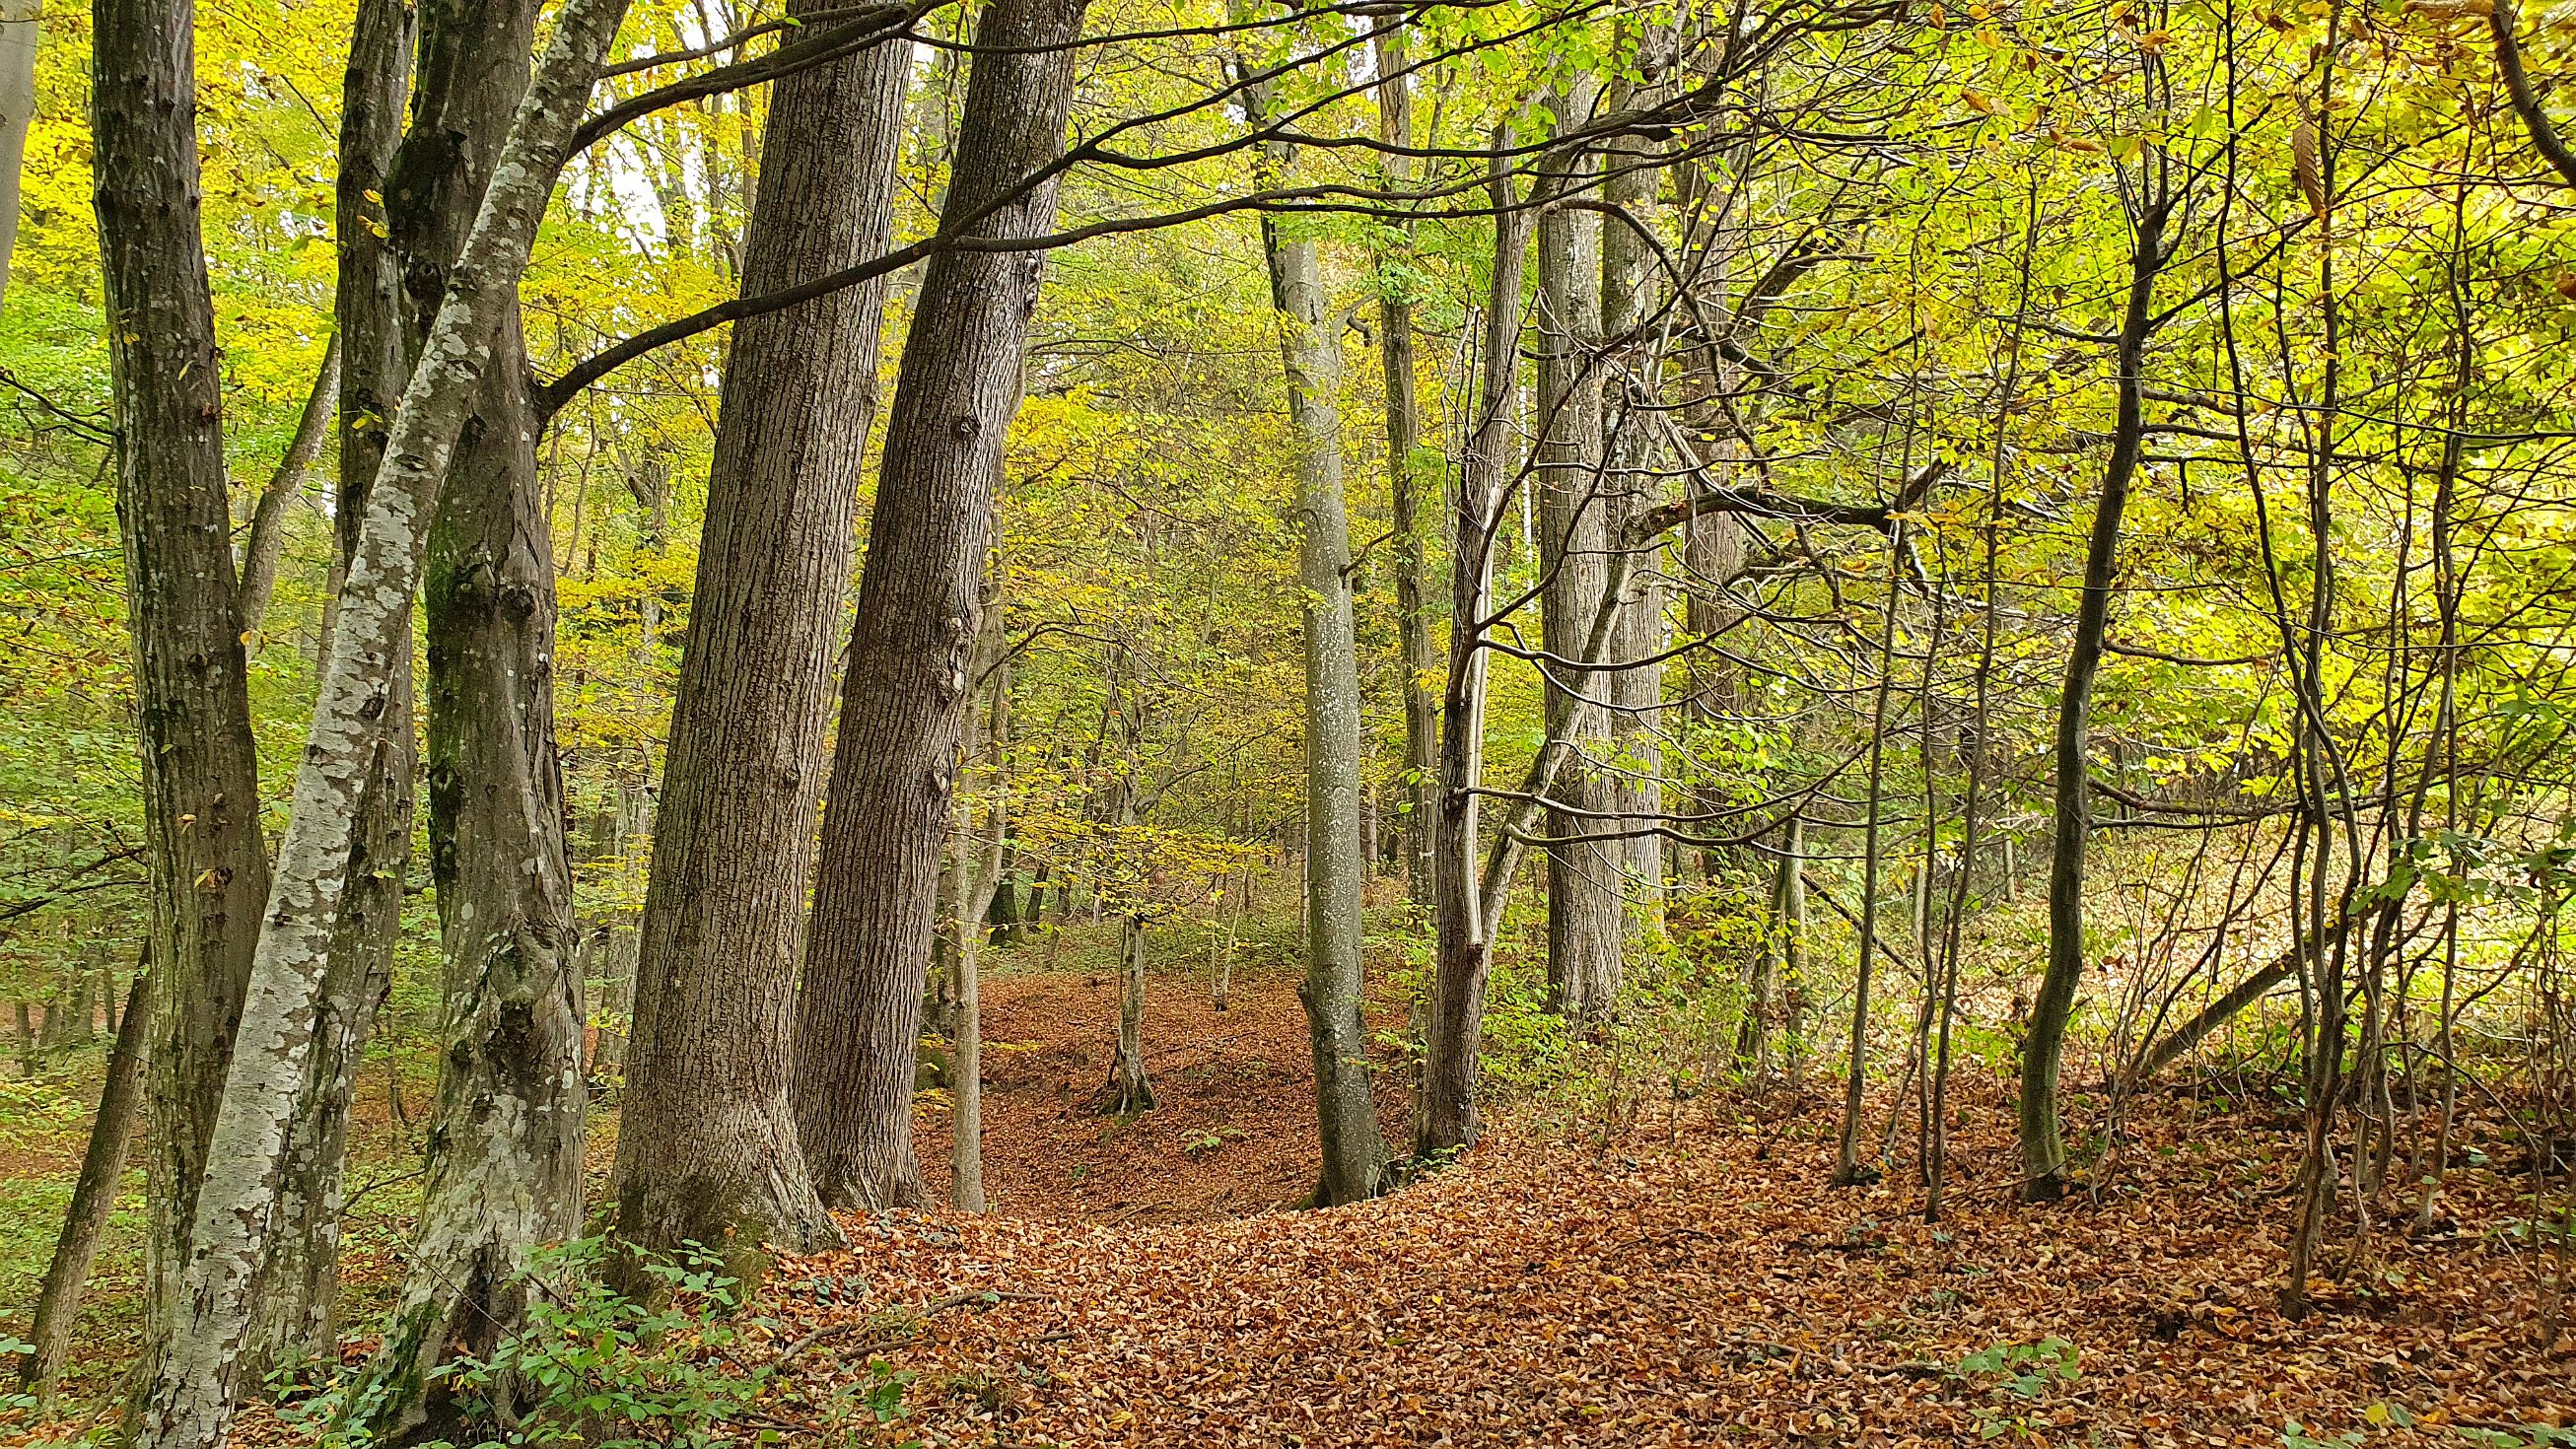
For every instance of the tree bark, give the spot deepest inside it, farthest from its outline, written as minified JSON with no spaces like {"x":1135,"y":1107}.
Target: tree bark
{"x":111,"y":1133}
{"x":209,"y":862}
{"x":894,"y":762}
{"x":709,"y":1148}
{"x":298,"y":1286}
{"x":1128,"y":1089}
{"x":1586,"y":924}
{"x":1445,"y":1120}
{"x":267,"y":540}
{"x":1629,"y":485}
{"x":190,"y":1401}
{"x":1408,"y":485}
{"x":2043,"y":1151}
{"x":505,"y":1145}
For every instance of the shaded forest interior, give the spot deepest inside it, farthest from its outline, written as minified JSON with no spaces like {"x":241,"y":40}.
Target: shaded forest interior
{"x":1130,"y":721}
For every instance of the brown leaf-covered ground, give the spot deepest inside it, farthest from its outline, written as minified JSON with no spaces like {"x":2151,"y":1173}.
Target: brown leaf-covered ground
{"x":1695,"y":1282}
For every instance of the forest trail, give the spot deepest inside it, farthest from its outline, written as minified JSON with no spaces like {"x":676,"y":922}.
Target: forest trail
{"x":1693,"y":1282}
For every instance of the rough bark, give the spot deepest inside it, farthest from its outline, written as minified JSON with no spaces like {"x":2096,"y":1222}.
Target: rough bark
{"x":20,"y":24}
{"x":1630,"y":482}
{"x":1445,"y":1119}
{"x":1586,"y":924}
{"x":190,"y":1400}
{"x":1128,"y":1089}
{"x":709,"y":1149}
{"x":2043,"y":1151}
{"x":209,"y":866}
{"x":505,"y":1145}
{"x":894,"y":762}
{"x":298,"y":1286}
{"x":267,"y":540}
{"x":111,"y":1133}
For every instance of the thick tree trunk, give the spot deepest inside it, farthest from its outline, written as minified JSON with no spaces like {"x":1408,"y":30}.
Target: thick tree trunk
{"x":1128,"y":1090}
{"x":709,"y":1147}
{"x":267,"y":540}
{"x":894,"y":762}
{"x":209,"y":862}
{"x":20,"y":24}
{"x":191,"y":1398}
{"x":1445,"y":1119}
{"x":2043,"y":1150}
{"x":111,"y":1133}
{"x":505,"y":1148}
{"x":1586,"y":923}
{"x":1630,"y":482}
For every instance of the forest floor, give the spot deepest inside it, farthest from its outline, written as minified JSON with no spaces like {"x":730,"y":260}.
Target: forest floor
{"x":1690,"y":1279}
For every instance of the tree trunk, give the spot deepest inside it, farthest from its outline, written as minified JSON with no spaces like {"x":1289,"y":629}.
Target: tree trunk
{"x":1128,"y":1090}
{"x":190,"y":1401}
{"x":1790,"y":920}
{"x":20,"y":22}
{"x":1453,"y":1029}
{"x":298,"y":1285}
{"x":505,"y":1147}
{"x":111,"y":1132}
{"x":894,"y":762}
{"x":267,"y":541}
{"x":1408,"y":484}
{"x":977,"y":871}
{"x":2043,"y":1152}
{"x":709,"y":1148}
{"x":1586,"y":925}
{"x":1630,"y":484}
{"x":209,"y":862}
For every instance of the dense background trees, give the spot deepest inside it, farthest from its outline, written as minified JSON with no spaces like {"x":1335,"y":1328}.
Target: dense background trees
{"x":1755,"y":549}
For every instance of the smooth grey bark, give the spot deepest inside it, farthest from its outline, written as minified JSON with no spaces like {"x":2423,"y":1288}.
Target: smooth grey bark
{"x":208,"y":861}
{"x":266,"y":542}
{"x":190,"y":1400}
{"x":1410,"y":484}
{"x":709,"y":1148}
{"x":21,"y":24}
{"x":505,"y":1145}
{"x":1586,"y":924}
{"x":111,"y":1135}
{"x":2043,"y":1150}
{"x":895,"y":759}
{"x":1445,"y":1119}
{"x":1310,"y":354}
{"x":975,"y":873}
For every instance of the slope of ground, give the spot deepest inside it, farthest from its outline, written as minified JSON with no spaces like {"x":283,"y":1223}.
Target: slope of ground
{"x":1696,"y":1283}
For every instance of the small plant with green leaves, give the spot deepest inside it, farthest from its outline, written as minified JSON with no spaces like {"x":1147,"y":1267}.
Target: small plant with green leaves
{"x":2017,"y":1377}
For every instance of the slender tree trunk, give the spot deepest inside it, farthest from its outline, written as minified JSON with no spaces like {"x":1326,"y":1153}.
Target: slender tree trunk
{"x":894,"y":762}
{"x":267,"y":541}
{"x":1407,"y":484}
{"x":1848,"y":1171}
{"x":2043,"y":1152}
{"x":209,"y":863}
{"x":111,"y":1133}
{"x":190,"y":1401}
{"x":298,"y":1286}
{"x":1792,"y":924}
{"x":1586,"y":922}
{"x":709,"y":1148}
{"x":20,"y":23}
{"x":977,"y":870}
{"x":1463,"y":941}
{"x":505,"y":1149}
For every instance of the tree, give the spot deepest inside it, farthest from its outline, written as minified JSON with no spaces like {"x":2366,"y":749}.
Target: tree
{"x":209,"y":862}
{"x":709,"y":1150}
{"x":895,"y":759}
{"x":191,"y":1395}
{"x":20,"y":24}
